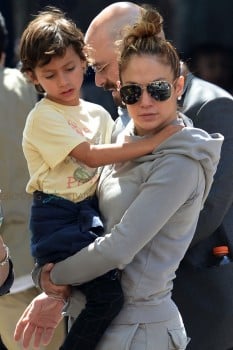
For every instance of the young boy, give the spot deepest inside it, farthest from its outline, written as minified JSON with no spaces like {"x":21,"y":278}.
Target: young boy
{"x":64,"y":142}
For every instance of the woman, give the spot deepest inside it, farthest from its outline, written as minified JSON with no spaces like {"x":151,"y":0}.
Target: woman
{"x":150,"y":206}
{"x":6,"y":269}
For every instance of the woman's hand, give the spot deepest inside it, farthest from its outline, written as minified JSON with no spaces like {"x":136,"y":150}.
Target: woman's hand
{"x":39,"y":320}
{"x":51,"y":289}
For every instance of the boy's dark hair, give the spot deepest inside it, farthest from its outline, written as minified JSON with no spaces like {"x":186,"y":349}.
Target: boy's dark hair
{"x":3,"y":35}
{"x":48,"y":35}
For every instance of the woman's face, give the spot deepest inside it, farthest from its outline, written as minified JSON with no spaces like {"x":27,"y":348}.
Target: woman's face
{"x":150,"y":115}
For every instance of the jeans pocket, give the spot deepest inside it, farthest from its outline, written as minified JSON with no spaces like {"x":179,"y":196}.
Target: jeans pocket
{"x":177,"y":339}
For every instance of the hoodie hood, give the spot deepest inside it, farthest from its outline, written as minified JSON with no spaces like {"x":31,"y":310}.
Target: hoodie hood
{"x":190,"y":142}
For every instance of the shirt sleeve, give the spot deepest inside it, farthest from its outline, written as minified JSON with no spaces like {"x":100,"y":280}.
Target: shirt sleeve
{"x":53,"y":136}
{"x":168,"y":187}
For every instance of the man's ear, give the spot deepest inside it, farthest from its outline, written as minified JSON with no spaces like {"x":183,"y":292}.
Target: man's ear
{"x":179,"y":86}
{"x":84,"y":66}
{"x":118,"y":84}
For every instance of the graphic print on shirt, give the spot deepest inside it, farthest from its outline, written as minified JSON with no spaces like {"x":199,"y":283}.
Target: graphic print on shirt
{"x":83,"y":174}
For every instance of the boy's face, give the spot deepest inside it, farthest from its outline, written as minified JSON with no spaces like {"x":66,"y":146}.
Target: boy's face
{"x":62,"y":78}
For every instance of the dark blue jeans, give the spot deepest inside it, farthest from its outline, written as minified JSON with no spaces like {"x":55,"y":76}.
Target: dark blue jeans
{"x":60,"y":228}
{"x":2,"y":346}
{"x":104,"y":300}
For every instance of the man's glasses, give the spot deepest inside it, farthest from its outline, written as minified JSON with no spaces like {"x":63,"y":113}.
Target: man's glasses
{"x":99,"y":68}
{"x":160,"y":90}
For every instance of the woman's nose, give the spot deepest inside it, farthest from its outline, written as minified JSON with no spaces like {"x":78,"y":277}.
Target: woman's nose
{"x":146,"y":98}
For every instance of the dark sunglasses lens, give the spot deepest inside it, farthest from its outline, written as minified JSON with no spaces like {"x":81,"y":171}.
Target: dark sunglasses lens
{"x":159,"y":90}
{"x":130,"y":94}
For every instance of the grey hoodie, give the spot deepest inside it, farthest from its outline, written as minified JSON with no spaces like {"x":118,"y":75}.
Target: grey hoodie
{"x":151,"y":207}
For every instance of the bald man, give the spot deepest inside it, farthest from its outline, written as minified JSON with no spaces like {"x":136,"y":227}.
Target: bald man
{"x":101,"y":36}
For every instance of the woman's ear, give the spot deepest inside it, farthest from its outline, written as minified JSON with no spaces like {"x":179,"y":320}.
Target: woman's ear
{"x":179,"y":86}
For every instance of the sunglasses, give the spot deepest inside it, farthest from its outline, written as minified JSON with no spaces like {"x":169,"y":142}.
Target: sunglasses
{"x":160,"y":90}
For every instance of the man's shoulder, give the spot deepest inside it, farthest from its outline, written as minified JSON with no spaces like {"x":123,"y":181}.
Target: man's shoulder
{"x":204,"y":97}
{"x":204,"y":90}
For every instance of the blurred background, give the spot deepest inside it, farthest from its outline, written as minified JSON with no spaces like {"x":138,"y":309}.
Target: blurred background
{"x":201,"y":30}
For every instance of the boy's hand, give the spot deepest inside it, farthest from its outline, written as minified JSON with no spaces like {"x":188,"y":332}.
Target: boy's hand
{"x":165,"y":133}
{"x":39,"y":320}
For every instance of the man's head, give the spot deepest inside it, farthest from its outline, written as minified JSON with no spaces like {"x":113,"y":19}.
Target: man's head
{"x":3,"y":39}
{"x":101,"y":35}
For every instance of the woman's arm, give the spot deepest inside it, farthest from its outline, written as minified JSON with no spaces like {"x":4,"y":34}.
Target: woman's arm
{"x":162,"y":197}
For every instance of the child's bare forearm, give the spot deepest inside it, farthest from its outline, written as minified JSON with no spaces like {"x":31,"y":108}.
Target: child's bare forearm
{"x":104,"y":154}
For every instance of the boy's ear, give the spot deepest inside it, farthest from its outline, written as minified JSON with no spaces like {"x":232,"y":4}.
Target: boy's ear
{"x":179,"y":86}
{"x":32,"y":77}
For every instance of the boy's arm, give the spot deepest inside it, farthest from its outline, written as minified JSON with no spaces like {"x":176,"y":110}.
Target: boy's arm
{"x":100,"y":155}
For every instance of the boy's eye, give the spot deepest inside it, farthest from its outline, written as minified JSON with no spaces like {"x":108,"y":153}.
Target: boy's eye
{"x":50,"y":76}
{"x":70,"y":68}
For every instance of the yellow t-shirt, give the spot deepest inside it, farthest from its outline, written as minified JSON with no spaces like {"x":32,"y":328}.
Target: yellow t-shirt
{"x":51,"y":132}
